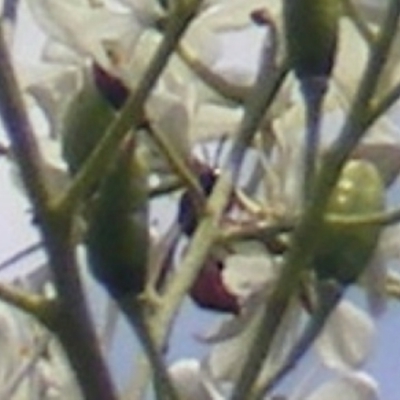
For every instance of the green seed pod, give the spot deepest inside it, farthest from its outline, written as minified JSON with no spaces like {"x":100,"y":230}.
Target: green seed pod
{"x":345,"y":250}
{"x":118,"y":237}
{"x":311,"y":35}
{"x":85,"y":121}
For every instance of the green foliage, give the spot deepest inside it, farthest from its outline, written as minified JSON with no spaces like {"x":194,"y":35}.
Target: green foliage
{"x":117,"y":237}
{"x":345,"y":250}
{"x":311,"y":35}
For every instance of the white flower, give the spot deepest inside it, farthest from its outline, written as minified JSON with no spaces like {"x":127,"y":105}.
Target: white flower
{"x":56,"y":375}
{"x":346,"y":341}
{"x":25,"y":374}
{"x":344,"y":344}
{"x":193,"y":382}
{"x":352,"y":386}
{"x":80,"y":27}
{"x":15,"y":343}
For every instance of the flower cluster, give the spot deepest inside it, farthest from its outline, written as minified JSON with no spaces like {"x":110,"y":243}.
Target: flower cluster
{"x":94,"y":59}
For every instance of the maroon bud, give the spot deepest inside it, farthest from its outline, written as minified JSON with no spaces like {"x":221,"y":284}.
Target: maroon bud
{"x":112,"y":88}
{"x":261,"y":17}
{"x":209,"y":291}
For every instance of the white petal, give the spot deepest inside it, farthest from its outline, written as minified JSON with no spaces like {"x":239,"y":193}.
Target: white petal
{"x":226,"y":359}
{"x":145,"y":10}
{"x":374,"y":281}
{"x":230,"y":327}
{"x":235,"y":14}
{"x":213,"y":121}
{"x":351,"y":59}
{"x":355,"y":386}
{"x":346,"y":340}
{"x":81,"y":27}
{"x":16,"y":343}
{"x":245,"y":275}
{"x":191,"y":382}
{"x":57,"y":377}
{"x":389,"y":243}
{"x":171,"y":115}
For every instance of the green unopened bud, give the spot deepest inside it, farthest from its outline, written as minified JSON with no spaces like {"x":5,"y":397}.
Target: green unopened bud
{"x":311,"y":35}
{"x":118,"y":237}
{"x":345,"y":250}
{"x":85,"y":122}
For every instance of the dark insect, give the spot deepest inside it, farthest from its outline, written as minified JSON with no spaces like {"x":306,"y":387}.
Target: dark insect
{"x":208,"y":290}
{"x":187,"y":214}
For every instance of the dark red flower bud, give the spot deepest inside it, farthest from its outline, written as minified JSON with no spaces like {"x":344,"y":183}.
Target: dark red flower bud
{"x":210,"y":292}
{"x":112,"y":88}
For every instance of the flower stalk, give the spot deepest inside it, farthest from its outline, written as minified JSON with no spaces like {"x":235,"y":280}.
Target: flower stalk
{"x":306,"y":234}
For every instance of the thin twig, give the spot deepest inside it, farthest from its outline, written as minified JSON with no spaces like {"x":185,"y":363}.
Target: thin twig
{"x":359,"y":22}
{"x":131,"y":113}
{"x":73,"y":327}
{"x":35,"y":305}
{"x":260,"y":99}
{"x":178,"y":164}
{"x":392,"y":286}
{"x":313,"y":89}
{"x":229,"y":90}
{"x":263,"y":93}
{"x":137,"y":320}
{"x":73,"y":323}
{"x":9,"y":19}
{"x":20,"y":133}
{"x":20,"y":255}
{"x":380,"y":218}
{"x":327,"y":303}
{"x":380,"y":106}
{"x":305,"y":237}
{"x":207,"y":232}
{"x":166,"y":185}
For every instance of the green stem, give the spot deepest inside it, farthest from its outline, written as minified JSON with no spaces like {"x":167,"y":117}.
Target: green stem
{"x":393,"y":286}
{"x":178,"y":164}
{"x":206,"y":234}
{"x":167,"y":185}
{"x":380,"y":106}
{"x":359,"y":115}
{"x":380,"y":218}
{"x":268,"y":82}
{"x":137,"y":319}
{"x":231,"y":91}
{"x":313,"y":89}
{"x":305,"y":237}
{"x":35,"y":305}
{"x":20,"y":133}
{"x":73,"y":326}
{"x":359,"y":22}
{"x":327,"y":303}
{"x":262,"y":95}
{"x":131,"y":113}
